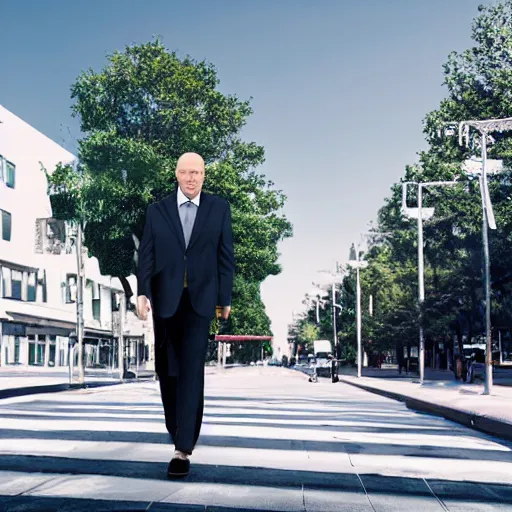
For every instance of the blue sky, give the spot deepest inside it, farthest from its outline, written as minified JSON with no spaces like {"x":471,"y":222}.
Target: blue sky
{"x":339,"y":92}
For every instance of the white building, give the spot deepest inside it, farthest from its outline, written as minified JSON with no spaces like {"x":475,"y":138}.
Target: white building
{"x":38,"y":266}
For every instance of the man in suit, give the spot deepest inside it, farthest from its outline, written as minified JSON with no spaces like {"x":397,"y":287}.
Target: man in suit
{"x":185,"y":274}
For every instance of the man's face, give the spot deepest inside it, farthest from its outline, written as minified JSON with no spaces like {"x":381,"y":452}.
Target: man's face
{"x":190,"y":175}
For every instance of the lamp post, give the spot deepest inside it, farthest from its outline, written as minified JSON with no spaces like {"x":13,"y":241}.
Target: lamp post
{"x":336,"y":276}
{"x":80,"y":302}
{"x":315,"y":295}
{"x":420,"y":214}
{"x":484,"y":128}
{"x":357,"y":263}
{"x":121,"y":358}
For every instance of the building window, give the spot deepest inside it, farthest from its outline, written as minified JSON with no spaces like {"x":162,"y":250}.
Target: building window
{"x":41,"y":350}
{"x":70,"y":288}
{"x":7,"y":172}
{"x":31,"y":349}
{"x":16,"y":280}
{"x":114,"y":303}
{"x":6,"y":282}
{"x":96,"y":309}
{"x":16,"y":349}
{"x":31,"y":287}
{"x":6,"y":225}
{"x":22,"y":285}
{"x":51,"y":236}
{"x":41,"y":286}
{"x":53,"y":347}
{"x":96,"y":299}
{"x":10,"y":174}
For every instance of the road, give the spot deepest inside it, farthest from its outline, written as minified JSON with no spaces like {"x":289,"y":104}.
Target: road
{"x":270,"y":441}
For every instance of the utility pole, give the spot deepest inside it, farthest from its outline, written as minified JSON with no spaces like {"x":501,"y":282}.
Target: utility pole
{"x":421,"y":284}
{"x":80,"y":277}
{"x":421,"y":214}
{"x":80,"y":302}
{"x":357,"y":263}
{"x":484,"y":128}
{"x":358,"y":321}
{"x":487,"y":221}
{"x":334,"y":325}
{"x":336,"y":277}
{"x":122,"y":309}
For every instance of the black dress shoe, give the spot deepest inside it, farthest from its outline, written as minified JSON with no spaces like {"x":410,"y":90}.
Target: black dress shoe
{"x":178,"y":468}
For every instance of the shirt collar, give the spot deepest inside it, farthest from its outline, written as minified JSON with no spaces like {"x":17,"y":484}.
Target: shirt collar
{"x":182,"y":198}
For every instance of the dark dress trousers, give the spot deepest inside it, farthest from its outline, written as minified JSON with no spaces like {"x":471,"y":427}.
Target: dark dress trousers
{"x":182,"y":314}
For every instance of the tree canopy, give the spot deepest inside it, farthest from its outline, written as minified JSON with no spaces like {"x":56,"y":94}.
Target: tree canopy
{"x":138,"y":114}
{"x":479,"y":85}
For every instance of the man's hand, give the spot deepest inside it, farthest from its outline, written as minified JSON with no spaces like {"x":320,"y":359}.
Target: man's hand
{"x":143,"y":307}
{"x":223,"y":312}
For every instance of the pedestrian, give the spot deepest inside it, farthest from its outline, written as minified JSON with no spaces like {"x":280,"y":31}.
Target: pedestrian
{"x":185,"y":275}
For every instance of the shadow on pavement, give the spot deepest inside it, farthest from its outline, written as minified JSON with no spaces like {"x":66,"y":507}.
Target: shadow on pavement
{"x":374,"y":417}
{"x":340,"y":446}
{"x":266,"y":477}
{"x":41,"y":504}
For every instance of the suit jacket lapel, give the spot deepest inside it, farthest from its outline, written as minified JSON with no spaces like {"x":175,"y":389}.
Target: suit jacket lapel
{"x":205,"y":205}
{"x":170,"y":213}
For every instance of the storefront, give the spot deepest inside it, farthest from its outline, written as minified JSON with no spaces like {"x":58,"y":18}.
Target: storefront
{"x":34,"y":341}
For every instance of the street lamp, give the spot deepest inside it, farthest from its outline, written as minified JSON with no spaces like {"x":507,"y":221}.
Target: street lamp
{"x":485,"y":128}
{"x":337,"y":277}
{"x":80,"y":254}
{"x":315,"y":295}
{"x":357,"y":263}
{"x":421,"y":214}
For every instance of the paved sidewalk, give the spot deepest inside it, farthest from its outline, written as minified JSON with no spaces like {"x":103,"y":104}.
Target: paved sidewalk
{"x":463,"y":403}
{"x":501,"y":376}
{"x":22,"y":380}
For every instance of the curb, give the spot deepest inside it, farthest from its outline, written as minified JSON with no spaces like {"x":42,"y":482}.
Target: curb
{"x":51,"y":388}
{"x":474,"y":421}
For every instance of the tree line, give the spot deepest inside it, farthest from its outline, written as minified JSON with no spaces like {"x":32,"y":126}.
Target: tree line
{"x":479,"y":86}
{"x":137,"y":115}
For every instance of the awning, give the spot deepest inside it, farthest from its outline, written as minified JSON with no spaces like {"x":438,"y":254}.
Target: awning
{"x":97,"y":333}
{"x":235,"y":338}
{"x":39,"y":325}
{"x":16,"y":266}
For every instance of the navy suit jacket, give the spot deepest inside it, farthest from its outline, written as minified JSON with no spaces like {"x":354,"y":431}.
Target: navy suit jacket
{"x":208,"y":259}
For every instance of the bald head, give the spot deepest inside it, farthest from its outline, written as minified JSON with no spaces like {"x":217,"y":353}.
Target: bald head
{"x":190,"y":174}
{"x":188,"y":160}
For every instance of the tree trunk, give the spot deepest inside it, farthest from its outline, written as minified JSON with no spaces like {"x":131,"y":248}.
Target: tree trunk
{"x":459,"y":362}
{"x":126,"y":287}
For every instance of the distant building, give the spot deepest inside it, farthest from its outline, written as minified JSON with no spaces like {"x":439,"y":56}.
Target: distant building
{"x":38,"y":267}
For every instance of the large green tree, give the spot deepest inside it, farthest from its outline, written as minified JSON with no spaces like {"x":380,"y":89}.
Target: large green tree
{"x":138,"y":114}
{"x":479,"y":85}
